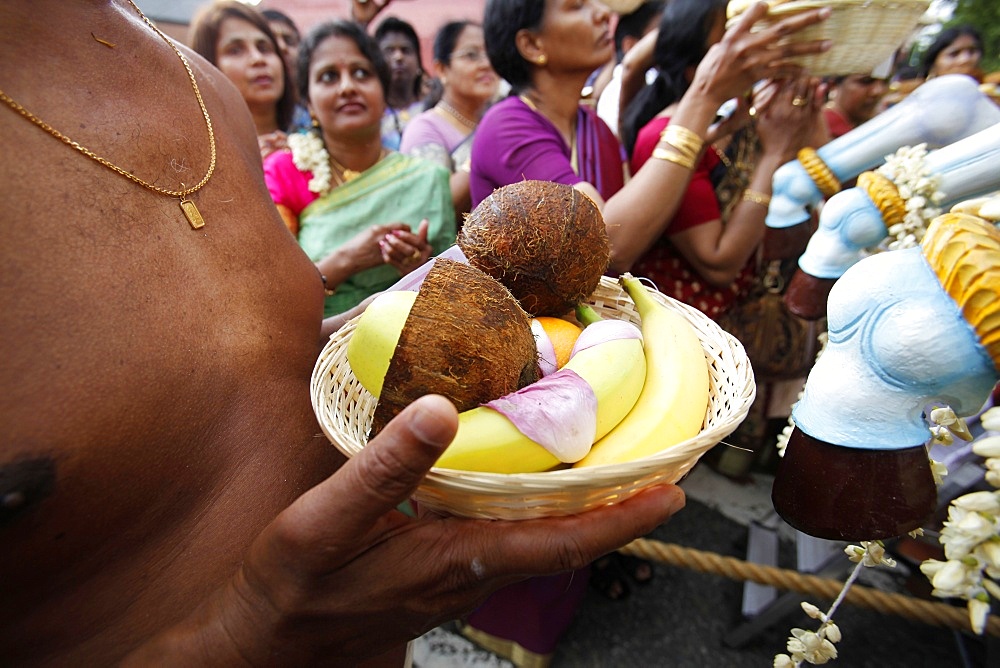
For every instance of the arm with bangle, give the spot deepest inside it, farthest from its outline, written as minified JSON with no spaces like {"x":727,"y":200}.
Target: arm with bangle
{"x":635,"y":218}
{"x":640,"y":212}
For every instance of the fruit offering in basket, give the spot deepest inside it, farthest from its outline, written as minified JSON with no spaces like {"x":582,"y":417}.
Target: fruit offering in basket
{"x":622,"y":394}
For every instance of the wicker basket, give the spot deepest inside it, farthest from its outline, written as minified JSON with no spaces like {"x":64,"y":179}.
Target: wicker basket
{"x":344,"y":409}
{"x":865,"y":33}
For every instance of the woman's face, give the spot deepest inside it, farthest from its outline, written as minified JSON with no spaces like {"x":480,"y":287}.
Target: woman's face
{"x":469,"y":75}
{"x":250,"y":60}
{"x":858,"y":96}
{"x":288,"y":41}
{"x":345,"y":94}
{"x":575,"y":34}
{"x":960,"y":57}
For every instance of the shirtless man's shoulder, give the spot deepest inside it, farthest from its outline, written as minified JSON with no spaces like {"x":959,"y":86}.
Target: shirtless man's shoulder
{"x":155,"y":408}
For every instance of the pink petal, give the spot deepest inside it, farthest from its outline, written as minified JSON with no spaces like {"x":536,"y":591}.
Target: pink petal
{"x":559,"y":412}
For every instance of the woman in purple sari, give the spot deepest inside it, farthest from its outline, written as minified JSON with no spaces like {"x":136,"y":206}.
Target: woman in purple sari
{"x":546,"y":51}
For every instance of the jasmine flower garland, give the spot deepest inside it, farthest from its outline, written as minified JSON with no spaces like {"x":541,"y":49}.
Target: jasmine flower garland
{"x":917,"y":187}
{"x":971,"y":537}
{"x":309,"y":155}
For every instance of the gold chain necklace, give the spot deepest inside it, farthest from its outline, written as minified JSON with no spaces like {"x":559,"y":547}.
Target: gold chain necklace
{"x":187,"y":206}
{"x":454,"y":113}
{"x":343,"y":174}
{"x":346,"y":174}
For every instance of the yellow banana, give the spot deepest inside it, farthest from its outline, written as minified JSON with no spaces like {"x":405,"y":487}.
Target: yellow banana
{"x":674,"y":397}
{"x":373,"y":342}
{"x":487,"y":441}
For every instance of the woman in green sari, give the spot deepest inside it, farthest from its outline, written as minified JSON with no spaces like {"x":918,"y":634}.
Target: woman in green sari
{"x":363,"y":214}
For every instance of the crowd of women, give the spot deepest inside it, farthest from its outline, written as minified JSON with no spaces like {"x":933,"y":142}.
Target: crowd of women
{"x":372,"y":161}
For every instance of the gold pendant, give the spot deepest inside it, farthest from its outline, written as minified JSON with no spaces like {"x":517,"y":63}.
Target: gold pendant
{"x":350,"y":174}
{"x":192,"y":213}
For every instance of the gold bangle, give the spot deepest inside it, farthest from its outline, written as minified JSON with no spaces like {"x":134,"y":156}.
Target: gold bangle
{"x":885,"y":195}
{"x":685,"y":161}
{"x":756,"y":198}
{"x":821,"y":175}
{"x":683,"y":138}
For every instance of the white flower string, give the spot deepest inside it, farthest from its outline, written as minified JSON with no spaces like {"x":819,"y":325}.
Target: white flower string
{"x":971,"y":541}
{"x":918,"y":188}
{"x":817,"y":647}
{"x":309,"y":155}
{"x":971,"y":534}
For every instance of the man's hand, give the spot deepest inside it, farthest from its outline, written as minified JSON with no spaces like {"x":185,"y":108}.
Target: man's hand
{"x":342,"y":575}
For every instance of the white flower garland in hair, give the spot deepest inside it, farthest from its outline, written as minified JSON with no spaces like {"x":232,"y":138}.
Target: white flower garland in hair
{"x":309,"y":155}
{"x":918,"y":188}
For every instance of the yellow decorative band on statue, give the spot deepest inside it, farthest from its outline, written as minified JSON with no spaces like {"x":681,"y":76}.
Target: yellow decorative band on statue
{"x":885,"y":195}
{"x":817,"y":170}
{"x":964,"y":253}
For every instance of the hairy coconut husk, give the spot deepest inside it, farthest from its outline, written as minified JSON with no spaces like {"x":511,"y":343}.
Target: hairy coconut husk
{"x":545,"y":241}
{"x":466,"y":337}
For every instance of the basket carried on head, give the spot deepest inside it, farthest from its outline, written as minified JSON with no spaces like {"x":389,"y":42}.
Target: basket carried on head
{"x":864,"y":32}
{"x":344,"y":410}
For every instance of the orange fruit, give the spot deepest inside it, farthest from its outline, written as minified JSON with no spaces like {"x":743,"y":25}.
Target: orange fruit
{"x":562,"y":334}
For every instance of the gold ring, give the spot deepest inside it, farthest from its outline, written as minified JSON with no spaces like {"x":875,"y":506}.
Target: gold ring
{"x":752,"y":111}
{"x":415,"y":257}
{"x":798,"y":101}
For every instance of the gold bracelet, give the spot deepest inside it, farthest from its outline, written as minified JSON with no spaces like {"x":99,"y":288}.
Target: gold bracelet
{"x":821,"y":175}
{"x":685,"y":161}
{"x":683,"y":138}
{"x":756,"y":197}
{"x":685,"y":154}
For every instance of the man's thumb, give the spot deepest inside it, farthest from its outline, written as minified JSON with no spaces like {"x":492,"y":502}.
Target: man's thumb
{"x":387,"y":471}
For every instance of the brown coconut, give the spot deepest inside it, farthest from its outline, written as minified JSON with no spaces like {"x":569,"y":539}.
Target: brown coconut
{"x":545,"y":241}
{"x":466,"y":337}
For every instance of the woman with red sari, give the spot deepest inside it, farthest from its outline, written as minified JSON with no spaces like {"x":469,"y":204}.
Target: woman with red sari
{"x":546,"y":51}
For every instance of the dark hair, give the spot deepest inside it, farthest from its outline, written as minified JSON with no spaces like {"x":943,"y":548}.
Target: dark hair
{"x":446,"y":39}
{"x":945,"y":39}
{"x":280,"y":17}
{"x":502,"y":20}
{"x":680,"y":44}
{"x":392,"y":24}
{"x":635,"y":23}
{"x":349,"y":30}
{"x":203,"y":38}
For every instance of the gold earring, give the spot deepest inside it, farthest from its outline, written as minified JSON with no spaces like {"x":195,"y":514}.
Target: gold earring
{"x":315,"y":121}
{"x":542,"y":59}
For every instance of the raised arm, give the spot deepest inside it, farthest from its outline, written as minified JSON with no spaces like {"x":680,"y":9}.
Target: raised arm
{"x":635,"y":217}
